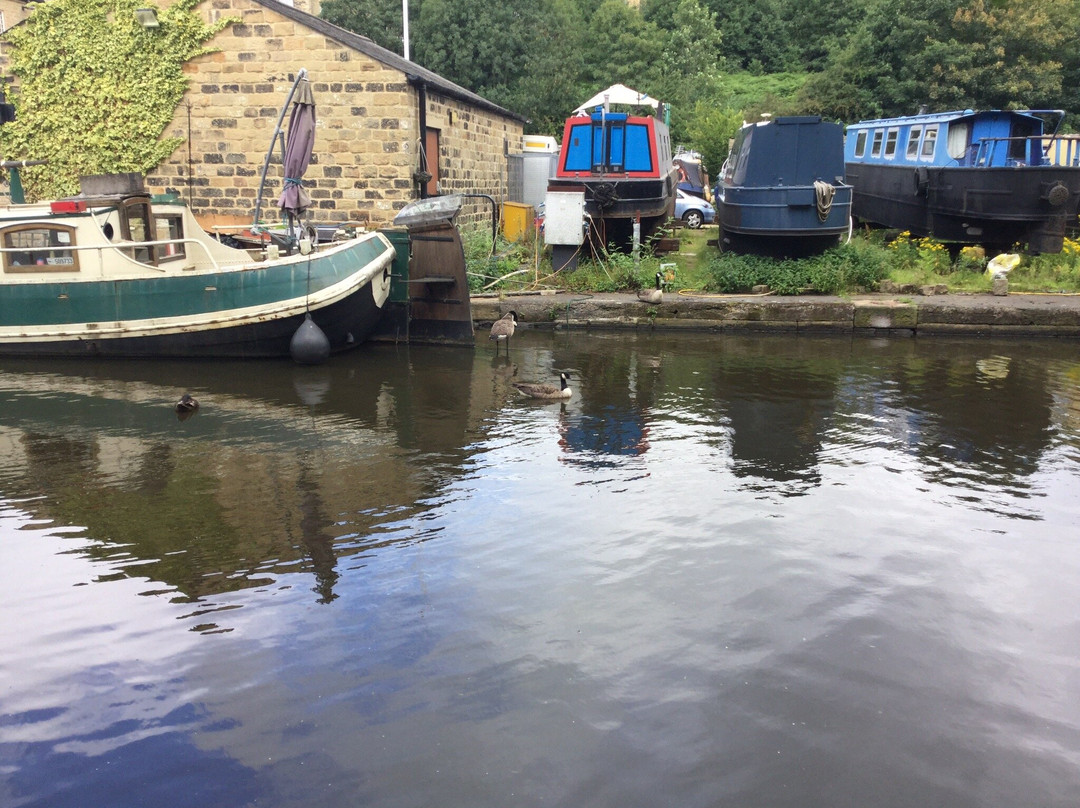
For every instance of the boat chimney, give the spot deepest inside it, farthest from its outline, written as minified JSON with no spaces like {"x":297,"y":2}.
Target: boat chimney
{"x":923,"y":109}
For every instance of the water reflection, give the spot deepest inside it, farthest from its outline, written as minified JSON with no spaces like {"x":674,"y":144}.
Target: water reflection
{"x":730,"y":570}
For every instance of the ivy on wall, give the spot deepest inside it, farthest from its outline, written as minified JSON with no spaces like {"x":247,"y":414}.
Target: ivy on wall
{"x":96,"y":89}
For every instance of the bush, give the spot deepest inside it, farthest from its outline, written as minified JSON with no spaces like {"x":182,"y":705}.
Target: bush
{"x":850,"y":267}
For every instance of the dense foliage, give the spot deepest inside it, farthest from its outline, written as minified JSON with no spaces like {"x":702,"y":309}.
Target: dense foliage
{"x":721,"y":61}
{"x":96,"y":89}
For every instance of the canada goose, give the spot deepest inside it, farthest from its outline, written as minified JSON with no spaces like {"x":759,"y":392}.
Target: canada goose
{"x":186,"y":404}
{"x":502,"y":329}
{"x":653,"y":295}
{"x":546,"y":391}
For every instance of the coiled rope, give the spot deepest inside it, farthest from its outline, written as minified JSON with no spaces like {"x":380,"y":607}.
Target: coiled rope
{"x":823,"y":198}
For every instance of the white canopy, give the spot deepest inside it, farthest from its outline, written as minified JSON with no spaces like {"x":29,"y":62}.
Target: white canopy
{"x":618,"y":94}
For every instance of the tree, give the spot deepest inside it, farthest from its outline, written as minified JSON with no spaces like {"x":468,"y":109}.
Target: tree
{"x":379,"y":20}
{"x":710,"y":129}
{"x":622,"y":47}
{"x":690,"y":65}
{"x":1003,"y":54}
{"x":755,"y":35}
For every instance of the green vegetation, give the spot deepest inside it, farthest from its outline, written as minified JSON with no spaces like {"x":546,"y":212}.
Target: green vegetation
{"x":107,"y":115}
{"x":862,"y":265}
{"x":718,"y":62}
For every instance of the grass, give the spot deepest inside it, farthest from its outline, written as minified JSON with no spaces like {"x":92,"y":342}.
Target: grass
{"x":869,"y":259}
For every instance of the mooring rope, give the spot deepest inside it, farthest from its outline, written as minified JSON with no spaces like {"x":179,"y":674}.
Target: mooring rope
{"x":823,"y":198}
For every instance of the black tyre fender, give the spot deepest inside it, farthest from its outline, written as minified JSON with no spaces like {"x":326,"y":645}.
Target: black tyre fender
{"x":922,"y":181}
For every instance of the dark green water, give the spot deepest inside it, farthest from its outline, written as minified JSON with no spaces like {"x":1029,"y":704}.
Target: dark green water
{"x":731,"y":571}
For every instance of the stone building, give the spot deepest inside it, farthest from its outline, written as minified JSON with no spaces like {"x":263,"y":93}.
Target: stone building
{"x":388,"y":131}
{"x":13,"y":12}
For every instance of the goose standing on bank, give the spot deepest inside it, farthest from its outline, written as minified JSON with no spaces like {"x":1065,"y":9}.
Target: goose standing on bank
{"x":653,"y":296}
{"x":502,"y":329}
{"x":548,"y":392}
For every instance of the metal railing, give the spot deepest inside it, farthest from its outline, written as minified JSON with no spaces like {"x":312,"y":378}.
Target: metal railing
{"x":1037,"y":150}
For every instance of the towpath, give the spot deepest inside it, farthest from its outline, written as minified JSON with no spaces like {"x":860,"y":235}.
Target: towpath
{"x":982,"y":314}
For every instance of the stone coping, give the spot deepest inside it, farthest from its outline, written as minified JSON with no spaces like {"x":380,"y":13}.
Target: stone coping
{"x":983,"y":314}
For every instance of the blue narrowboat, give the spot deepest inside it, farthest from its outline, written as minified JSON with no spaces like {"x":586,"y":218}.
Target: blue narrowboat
{"x":622,"y":162}
{"x":782,"y":187}
{"x":994,"y":177}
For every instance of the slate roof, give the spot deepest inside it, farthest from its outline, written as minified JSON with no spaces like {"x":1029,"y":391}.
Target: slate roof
{"x":387,"y":57}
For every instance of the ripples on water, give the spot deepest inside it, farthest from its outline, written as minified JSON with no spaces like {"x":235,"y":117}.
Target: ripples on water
{"x":730,"y":571}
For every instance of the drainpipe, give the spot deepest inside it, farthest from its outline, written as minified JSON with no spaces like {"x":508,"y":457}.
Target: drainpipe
{"x":421,"y":100}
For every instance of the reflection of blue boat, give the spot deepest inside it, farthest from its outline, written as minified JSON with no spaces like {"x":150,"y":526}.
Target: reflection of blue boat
{"x":991,"y":177}
{"x":782,"y":188}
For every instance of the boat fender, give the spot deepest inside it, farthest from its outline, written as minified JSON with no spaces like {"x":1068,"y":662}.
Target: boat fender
{"x":823,"y":198}
{"x":1057,"y":195}
{"x":922,"y":181}
{"x":309,"y":345}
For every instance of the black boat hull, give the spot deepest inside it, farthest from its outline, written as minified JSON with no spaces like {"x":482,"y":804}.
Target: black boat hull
{"x":997,"y":207}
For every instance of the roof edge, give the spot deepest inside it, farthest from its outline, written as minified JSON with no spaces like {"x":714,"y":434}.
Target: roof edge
{"x":412,"y":71}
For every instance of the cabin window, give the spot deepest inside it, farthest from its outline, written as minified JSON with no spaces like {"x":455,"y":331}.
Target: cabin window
{"x":913,"y":142}
{"x":929,"y":143}
{"x":170,"y":227}
{"x":875,"y":149}
{"x":40,"y":248}
{"x":860,"y":143}
{"x":616,"y":156}
{"x":638,"y":153}
{"x":890,"y":143}
{"x":579,"y":151}
{"x":959,"y":139}
{"x":137,"y":224}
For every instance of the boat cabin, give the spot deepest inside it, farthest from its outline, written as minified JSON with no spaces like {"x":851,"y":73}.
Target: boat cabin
{"x":53,"y":237}
{"x":607,"y":143}
{"x":788,"y":151}
{"x":968,"y":139}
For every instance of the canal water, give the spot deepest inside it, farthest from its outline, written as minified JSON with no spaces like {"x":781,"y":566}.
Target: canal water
{"x":731,"y":571}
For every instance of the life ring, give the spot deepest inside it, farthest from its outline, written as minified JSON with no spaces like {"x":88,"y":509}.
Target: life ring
{"x":922,"y":181}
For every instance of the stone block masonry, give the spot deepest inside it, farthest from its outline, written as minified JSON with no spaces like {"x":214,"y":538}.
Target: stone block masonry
{"x":367,"y":143}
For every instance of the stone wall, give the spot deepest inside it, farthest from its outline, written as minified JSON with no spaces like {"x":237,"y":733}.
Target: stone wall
{"x":367,"y":137}
{"x":367,"y":145}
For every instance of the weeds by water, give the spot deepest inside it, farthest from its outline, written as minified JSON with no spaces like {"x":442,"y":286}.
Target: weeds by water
{"x":863,"y":264}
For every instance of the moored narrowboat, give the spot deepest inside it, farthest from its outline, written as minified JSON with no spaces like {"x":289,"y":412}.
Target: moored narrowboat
{"x":782,"y":188}
{"x":994,"y":177}
{"x":116,"y":272}
{"x":622,"y":162}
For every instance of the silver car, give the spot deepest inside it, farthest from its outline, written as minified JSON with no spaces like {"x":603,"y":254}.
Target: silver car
{"x":693,"y":210}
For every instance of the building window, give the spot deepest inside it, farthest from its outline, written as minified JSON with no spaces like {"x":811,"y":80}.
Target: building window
{"x":40,"y":248}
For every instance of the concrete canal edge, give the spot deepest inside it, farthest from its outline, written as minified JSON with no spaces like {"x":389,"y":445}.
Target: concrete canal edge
{"x":873,"y":314}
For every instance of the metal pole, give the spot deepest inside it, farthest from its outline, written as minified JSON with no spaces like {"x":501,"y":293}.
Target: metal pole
{"x":278,"y":133}
{"x":405,"y":26}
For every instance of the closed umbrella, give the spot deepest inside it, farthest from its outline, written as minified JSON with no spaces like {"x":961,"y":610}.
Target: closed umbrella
{"x":299,"y":143}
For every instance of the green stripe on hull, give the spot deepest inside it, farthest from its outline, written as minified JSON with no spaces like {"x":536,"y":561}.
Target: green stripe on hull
{"x":43,"y":304}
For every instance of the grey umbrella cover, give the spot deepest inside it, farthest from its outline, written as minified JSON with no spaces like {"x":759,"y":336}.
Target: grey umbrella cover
{"x":298,"y":147}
